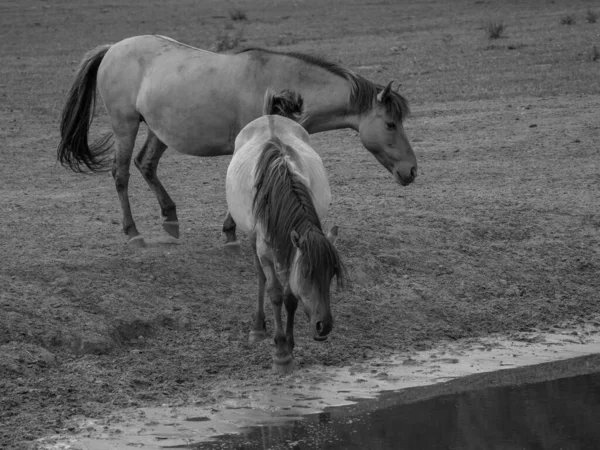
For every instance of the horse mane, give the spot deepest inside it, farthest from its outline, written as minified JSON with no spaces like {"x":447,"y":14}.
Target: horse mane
{"x":363,"y":91}
{"x":283,"y":203}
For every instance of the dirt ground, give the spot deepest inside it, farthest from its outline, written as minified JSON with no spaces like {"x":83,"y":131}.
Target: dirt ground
{"x":499,"y":233}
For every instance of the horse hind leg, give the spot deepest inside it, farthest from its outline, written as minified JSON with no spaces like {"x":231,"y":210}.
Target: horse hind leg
{"x":147,"y":163}
{"x":259,"y":326}
{"x":232,"y":245}
{"x":124,"y":136}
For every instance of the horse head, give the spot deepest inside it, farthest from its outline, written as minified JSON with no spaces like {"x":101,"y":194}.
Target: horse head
{"x":382,"y":133}
{"x":316,"y":262}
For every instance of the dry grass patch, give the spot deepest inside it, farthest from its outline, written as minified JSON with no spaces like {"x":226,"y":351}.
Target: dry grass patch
{"x":237,"y":14}
{"x":494,"y":29}
{"x":568,"y":20}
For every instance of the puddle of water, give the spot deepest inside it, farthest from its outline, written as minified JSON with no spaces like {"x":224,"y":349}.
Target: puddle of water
{"x":558,"y":414}
{"x":315,"y":389}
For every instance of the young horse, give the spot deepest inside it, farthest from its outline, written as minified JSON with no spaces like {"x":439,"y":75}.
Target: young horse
{"x":278,"y":193}
{"x":197,"y":101}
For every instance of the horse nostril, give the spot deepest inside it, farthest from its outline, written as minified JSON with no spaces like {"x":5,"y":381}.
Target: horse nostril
{"x":323,"y":328}
{"x":320,"y":328}
{"x":413,"y":172}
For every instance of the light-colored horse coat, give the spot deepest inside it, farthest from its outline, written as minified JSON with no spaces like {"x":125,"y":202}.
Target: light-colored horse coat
{"x":197,"y":102}
{"x":278,"y":193}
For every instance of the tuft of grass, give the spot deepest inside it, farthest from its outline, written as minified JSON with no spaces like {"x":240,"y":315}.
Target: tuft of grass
{"x":237,"y":14}
{"x":494,"y":29}
{"x":594,"y":54}
{"x":568,"y":20}
{"x":591,"y":16}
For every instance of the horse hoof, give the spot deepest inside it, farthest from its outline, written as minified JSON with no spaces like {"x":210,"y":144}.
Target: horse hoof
{"x":233,"y":248}
{"x":172,"y":228}
{"x":284,"y":366}
{"x":136,"y":242}
{"x":256,"y":336}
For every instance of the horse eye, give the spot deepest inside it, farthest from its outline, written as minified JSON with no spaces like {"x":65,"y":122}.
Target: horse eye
{"x":390,"y":125}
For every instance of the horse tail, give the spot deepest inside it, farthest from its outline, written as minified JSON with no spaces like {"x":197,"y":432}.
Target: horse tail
{"x":74,"y":151}
{"x":287,"y":104}
{"x":268,"y":102}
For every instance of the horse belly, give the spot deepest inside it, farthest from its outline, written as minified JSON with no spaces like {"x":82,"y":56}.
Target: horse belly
{"x":190,"y":126}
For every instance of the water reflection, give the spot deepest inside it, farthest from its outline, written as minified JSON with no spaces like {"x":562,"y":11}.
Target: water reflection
{"x":558,"y":414}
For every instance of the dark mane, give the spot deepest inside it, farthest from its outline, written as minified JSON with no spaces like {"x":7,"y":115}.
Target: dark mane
{"x":282,"y":203}
{"x":363,"y":90}
{"x":396,"y":105}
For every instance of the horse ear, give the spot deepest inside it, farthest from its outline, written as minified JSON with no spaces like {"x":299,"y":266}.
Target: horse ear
{"x":295,"y":238}
{"x":333,"y":234}
{"x":385,"y":92}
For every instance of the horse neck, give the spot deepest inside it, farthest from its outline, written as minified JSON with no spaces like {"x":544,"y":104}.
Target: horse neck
{"x":327,"y":109}
{"x":326,"y":95}
{"x":282,"y":202}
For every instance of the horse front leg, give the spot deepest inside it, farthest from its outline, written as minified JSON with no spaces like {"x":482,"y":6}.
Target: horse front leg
{"x":282,"y":359}
{"x":291,"y":304}
{"x":232,"y":245}
{"x":147,"y":163}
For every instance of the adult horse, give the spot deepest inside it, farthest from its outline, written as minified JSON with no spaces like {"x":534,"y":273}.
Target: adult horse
{"x":197,"y":101}
{"x":277,"y":192}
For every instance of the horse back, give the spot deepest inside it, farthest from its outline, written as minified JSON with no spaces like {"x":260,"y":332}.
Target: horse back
{"x":295,"y":147}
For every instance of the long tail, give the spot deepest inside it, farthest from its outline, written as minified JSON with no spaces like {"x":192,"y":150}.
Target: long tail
{"x":74,"y":151}
{"x":286,"y":103}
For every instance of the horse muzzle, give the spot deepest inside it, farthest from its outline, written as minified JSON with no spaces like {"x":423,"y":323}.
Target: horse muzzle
{"x":405,"y":175}
{"x":322,"y":328}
